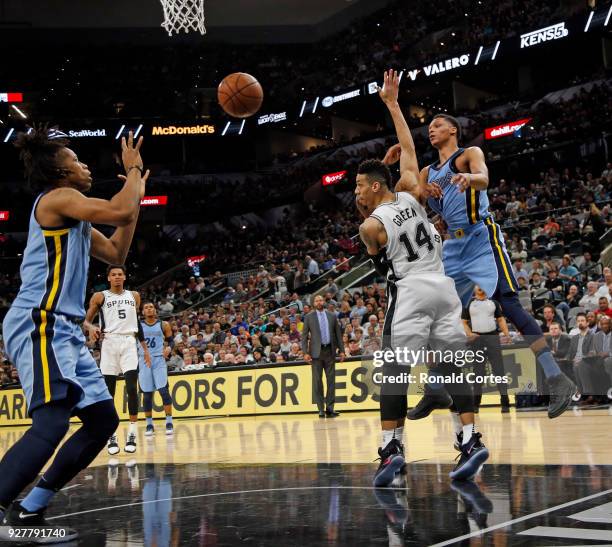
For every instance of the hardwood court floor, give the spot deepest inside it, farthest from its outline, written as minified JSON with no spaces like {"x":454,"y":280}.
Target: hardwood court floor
{"x":578,"y":437}
{"x":302,"y":480}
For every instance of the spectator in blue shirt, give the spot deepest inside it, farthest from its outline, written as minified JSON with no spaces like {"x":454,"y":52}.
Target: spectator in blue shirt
{"x":567,"y":271}
{"x":240,"y":322}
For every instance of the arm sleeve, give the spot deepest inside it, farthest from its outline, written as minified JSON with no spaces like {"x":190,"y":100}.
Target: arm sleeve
{"x":498,"y":311}
{"x":170,"y":340}
{"x":380,"y":263}
{"x":140,"y":332}
{"x":465,"y":314}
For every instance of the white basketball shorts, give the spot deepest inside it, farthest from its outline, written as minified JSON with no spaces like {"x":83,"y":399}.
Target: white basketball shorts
{"x":423,"y":311}
{"x":119,"y":354}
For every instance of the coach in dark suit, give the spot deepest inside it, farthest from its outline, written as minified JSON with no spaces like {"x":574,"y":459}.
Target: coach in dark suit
{"x":320,"y":350}
{"x":558,"y":342}
{"x":584,"y":359}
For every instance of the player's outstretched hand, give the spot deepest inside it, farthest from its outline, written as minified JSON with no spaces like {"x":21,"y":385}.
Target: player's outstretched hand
{"x":130,"y":154}
{"x":390,"y":89}
{"x":143,"y":182}
{"x":393,"y":155}
{"x":462,"y":180}
{"x":434,"y":190}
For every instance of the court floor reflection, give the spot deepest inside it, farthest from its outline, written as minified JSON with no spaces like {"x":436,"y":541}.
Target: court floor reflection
{"x":334,"y":504}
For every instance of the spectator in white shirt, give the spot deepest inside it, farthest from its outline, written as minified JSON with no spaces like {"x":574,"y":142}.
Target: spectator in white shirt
{"x":166,"y":306}
{"x":590,"y":301}
{"x":604,"y":290}
{"x":312,"y":266}
{"x":184,"y":332}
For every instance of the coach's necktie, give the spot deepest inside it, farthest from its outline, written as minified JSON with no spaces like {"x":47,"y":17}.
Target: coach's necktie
{"x":324,"y":329}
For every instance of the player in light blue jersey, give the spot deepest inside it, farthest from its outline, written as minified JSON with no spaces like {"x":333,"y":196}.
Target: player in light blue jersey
{"x":475,"y":253}
{"x":43,"y":329}
{"x":155,"y":377}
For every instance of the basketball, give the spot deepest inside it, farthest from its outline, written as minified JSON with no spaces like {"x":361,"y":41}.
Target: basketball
{"x":240,"y":95}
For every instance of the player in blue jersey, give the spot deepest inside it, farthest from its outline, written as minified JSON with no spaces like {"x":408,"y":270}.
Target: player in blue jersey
{"x":43,"y":328}
{"x":154,"y":377}
{"x":475,"y":253}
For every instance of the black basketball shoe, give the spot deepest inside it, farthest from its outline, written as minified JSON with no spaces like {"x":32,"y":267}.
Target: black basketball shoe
{"x":561,"y":390}
{"x":18,"y":517}
{"x":473,"y":455}
{"x":432,"y":399}
{"x":391,"y":462}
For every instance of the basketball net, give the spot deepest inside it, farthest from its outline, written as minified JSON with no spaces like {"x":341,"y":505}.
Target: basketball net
{"x":183,"y":15}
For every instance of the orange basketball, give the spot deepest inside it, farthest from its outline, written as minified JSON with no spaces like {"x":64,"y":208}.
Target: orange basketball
{"x":240,"y":95}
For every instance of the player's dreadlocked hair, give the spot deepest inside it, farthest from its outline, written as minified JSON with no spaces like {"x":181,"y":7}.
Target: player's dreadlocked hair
{"x":375,"y":170}
{"x":453,"y":121}
{"x":38,"y":150}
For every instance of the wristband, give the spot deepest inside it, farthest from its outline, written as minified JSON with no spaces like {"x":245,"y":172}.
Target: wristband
{"x":134,"y":167}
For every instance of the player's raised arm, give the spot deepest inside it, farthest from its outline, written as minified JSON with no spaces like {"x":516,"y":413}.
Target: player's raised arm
{"x":389,"y":94}
{"x":114,"y":250}
{"x":121,"y":210}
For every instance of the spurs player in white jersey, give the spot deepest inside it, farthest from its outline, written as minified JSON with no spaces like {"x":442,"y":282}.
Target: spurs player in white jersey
{"x":120,"y":333}
{"x":423,"y":308}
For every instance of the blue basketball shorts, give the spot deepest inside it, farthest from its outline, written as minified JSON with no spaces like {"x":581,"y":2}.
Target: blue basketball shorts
{"x":154,"y":378}
{"x":51,"y":358}
{"x":479,"y":257}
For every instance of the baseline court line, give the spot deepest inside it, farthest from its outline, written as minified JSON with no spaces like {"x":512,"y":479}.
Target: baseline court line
{"x":521,"y":519}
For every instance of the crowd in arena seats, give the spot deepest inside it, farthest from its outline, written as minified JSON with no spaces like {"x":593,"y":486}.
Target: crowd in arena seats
{"x":268,"y":330}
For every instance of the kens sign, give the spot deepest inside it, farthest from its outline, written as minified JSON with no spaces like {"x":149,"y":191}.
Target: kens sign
{"x":546,"y":34}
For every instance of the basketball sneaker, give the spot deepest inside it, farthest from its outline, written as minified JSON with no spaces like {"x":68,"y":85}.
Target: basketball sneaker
{"x":113,"y":445}
{"x":391,"y":462}
{"x":561,"y":390}
{"x":432,"y":399}
{"x":169,"y":428}
{"x":130,"y":444}
{"x":19,"y":517}
{"x":150,"y":430}
{"x":473,"y":455}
